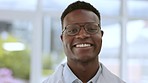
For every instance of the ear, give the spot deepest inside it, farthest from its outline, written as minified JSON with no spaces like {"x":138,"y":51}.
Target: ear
{"x":102,"y":33}
{"x":61,"y":37}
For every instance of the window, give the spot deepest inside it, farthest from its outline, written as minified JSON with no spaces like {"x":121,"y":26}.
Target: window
{"x":38,"y":33}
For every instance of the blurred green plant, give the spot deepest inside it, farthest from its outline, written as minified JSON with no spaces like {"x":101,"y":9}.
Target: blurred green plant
{"x":50,"y":62}
{"x":47,"y":62}
{"x":47,"y":72}
{"x":17,"y":61}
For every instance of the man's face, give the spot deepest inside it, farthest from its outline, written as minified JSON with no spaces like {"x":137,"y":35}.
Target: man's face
{"x":82,"y":47}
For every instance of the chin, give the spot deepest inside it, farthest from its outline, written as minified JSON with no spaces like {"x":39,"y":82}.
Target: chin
{"x":87,"y":59}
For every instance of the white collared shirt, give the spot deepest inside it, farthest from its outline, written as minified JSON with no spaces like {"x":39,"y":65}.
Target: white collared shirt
{"x":63,"y":75}
{"x":69,"y":76}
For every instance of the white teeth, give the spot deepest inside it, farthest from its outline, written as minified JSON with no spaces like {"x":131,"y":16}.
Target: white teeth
{"x":83,"y":45}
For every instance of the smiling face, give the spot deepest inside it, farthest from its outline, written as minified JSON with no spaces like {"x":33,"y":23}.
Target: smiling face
{"x":82,"y":47}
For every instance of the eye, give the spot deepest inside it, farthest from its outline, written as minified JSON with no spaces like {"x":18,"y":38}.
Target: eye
{"x":72,"y":29}
{"x":91,"y":28}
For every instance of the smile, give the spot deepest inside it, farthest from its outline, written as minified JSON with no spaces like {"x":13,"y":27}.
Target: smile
{"x":82,"y":45}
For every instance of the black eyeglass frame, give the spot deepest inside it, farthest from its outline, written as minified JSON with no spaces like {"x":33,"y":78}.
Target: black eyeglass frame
{"x":84,"y":27}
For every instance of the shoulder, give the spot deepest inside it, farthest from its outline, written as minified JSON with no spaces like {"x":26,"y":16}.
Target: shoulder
{"x":57,"y":76}
{"x":110,"y":77}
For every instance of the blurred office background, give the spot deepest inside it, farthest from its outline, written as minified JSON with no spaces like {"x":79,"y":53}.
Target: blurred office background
{"x":31,"y":49}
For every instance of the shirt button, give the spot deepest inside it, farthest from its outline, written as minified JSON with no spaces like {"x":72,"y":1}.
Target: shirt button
{"x":91,"y":82}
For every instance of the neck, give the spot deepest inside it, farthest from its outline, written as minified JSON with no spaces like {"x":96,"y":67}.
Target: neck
{"x":84,"y":71}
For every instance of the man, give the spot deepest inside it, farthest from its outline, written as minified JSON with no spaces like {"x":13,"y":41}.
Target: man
{"x":82,"y":42}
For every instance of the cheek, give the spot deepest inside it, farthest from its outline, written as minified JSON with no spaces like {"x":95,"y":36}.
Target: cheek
{"x":98,"y":41}
{"x":67,"y":42}
{"x":67,"y":46}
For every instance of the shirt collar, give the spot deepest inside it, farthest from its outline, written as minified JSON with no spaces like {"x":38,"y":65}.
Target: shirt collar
{"x":69,"y":76}
{"x":96,"y":77}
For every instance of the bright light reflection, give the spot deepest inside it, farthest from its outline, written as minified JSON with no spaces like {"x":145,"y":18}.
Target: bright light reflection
{"x":13,"y":46}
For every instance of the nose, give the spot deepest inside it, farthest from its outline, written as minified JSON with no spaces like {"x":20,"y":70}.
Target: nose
{"x":82,"y":34}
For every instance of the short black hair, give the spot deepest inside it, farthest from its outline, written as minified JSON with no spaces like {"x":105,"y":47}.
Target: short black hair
{"x":79,"y":5}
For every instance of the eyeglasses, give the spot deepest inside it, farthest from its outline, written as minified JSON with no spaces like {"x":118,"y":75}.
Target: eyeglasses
{"x":74,"y":29}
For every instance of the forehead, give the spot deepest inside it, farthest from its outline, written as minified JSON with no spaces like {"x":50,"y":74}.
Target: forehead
{"x":80,"y":16}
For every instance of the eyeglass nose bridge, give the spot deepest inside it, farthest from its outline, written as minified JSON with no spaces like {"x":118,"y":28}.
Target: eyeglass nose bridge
{"x":80,"y":28}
